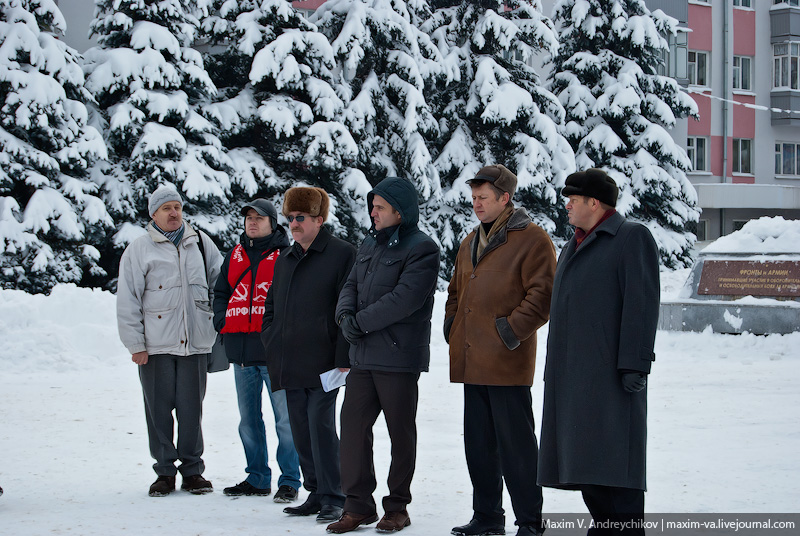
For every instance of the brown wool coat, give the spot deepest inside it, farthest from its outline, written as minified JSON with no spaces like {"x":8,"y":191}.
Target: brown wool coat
{"x":499,"y":303}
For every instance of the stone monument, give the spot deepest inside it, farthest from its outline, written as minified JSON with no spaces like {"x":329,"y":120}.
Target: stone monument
{"x":748,"y":281}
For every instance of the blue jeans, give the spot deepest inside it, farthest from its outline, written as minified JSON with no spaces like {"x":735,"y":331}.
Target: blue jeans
{"x":249,"y":385}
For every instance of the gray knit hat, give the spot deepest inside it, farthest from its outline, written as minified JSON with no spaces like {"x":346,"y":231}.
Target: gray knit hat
{"x":162,"y":194}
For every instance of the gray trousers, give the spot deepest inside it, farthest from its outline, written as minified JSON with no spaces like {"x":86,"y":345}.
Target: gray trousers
{"x":177,"y":383}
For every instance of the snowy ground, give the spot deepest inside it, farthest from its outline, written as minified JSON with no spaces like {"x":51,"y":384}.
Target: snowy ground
{"x":724,"y":433}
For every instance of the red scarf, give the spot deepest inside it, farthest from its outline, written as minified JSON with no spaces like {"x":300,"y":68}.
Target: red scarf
{"x":580,"y":234}
{"x":246,"y":305}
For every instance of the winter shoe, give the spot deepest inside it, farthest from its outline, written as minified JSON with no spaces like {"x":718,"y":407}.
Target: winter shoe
{"x":529,"y":530}
{"x":285,"y":494}
{"x":163,"y":486}
{"x":196,"y":485}
{"x":329,"y":512}
{"x":393,"y":521}
{"x":246,"y":488}
{"x":351,"y":521}
{"x":476,"y":527}
{"x":308,"y":508}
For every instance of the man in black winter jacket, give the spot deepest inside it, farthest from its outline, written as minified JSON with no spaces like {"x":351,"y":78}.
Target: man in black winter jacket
{"x":384,"y":311}
{"x":239,"y":296}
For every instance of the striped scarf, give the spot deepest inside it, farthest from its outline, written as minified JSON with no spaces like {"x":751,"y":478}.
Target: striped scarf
{"x":173,"y":236}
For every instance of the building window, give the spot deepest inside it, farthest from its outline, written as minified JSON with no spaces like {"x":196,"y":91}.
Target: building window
{"x":698,"y":229}
{"x":698,"y":68}
{"x":786,"y":59}
{"x":742,"y":155}
{"x":787,"y":158}
{"x":742,"y":3}
{"x":673,"y":61}
{"x":696,"y":148}
{"x":790,"y":2}
{"x":741,"y":73}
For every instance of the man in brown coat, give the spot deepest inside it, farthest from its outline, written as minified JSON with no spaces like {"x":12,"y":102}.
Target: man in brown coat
{"x":498,"y":297}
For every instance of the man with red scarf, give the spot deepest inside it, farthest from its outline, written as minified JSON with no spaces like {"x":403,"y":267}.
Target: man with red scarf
{"x":239,"y":297}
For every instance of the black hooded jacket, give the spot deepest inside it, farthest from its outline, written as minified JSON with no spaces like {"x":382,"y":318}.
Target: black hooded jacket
{"x":390,"y":289}
{"x":245,"y":348}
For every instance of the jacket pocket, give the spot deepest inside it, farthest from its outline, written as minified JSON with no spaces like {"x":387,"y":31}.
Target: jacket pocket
{"x":387,"y":272}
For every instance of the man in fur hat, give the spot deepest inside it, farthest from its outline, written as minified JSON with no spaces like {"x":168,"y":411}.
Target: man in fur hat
{"x":165,"y":320}
{"x":603,"y":322}
{"x":302,"y":341}
{"x":498,"y":297}
{"x":385,"y":313}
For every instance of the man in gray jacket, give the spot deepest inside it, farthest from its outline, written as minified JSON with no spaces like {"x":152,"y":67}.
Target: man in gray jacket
{"x":603,"y":318}
{"x":164,"y":319}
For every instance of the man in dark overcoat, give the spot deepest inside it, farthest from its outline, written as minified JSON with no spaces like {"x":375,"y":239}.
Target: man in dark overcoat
{"x":385,"y":312}
{"x":302,"y":341}
{"x":603,"y":321}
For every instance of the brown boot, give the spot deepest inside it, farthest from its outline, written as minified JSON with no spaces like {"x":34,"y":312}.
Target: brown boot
{"x":351,"y":521}
{"x":196,"y":485}
{"x":393,"y":521}
{"x":163,"y":486}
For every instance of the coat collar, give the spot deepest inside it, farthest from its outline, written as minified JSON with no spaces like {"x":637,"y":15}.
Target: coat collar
{"x":610,"y":226}
{"x":518,"y":220}
{"x":319,"y":243}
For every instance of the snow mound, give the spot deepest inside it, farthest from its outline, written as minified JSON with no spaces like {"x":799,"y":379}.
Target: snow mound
{"x":72,"y":328}
{"x":764,"y":235}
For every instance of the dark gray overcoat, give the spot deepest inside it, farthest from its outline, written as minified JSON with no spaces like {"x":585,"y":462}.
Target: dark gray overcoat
{"x":603,"y":318}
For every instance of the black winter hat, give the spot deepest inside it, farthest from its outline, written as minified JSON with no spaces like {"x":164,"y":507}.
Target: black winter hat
{"x":262,"y":206}
{"x":592,"y":183}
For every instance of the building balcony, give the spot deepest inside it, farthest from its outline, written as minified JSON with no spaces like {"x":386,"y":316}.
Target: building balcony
{"x":781,"y":101}
{"x":784,"y":23}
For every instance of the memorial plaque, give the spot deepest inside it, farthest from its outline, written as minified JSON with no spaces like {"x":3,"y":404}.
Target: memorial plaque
{"x":750,"y":278}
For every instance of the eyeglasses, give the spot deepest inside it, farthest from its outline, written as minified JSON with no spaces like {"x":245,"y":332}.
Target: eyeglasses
{"x":300,"y":219}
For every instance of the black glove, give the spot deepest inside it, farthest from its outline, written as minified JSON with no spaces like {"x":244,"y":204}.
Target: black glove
{"x":350,"y":328}
{"x":633,"y":382}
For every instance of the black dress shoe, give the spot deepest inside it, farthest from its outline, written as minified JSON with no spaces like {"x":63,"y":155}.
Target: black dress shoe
{"x":476,"y":527}
{"x":308,"y":508}
{"x":329,"y":513}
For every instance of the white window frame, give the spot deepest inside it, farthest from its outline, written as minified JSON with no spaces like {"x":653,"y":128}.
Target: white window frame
{"x":697,"y":150}
{"x":743,"y":73}
{"x":742,"y":160}
{"x":742,"y":3}
{"x":785,"y":150}
{"x":698,"y":72}
{"x":786,"y":65}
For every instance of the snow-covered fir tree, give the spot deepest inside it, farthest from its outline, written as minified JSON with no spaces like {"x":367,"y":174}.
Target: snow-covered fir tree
{"x":619,"y":109}
{"x":151,"y":86}
{"x":493,"y":109}
{"x":278,"y":105}
{"x":387,"y":62}
{"x":50,"y":214}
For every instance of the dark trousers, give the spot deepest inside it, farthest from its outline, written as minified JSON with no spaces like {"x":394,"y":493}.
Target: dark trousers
{"x":171,"y":382}
{"x":612,"y":508}
{"x":312,"y":414}
{"x":368,"y":393}
{"x":500,"y":443}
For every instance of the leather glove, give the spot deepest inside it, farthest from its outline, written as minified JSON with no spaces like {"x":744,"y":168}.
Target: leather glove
{"x":633,"y":382}
{"x":350,"y":328}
